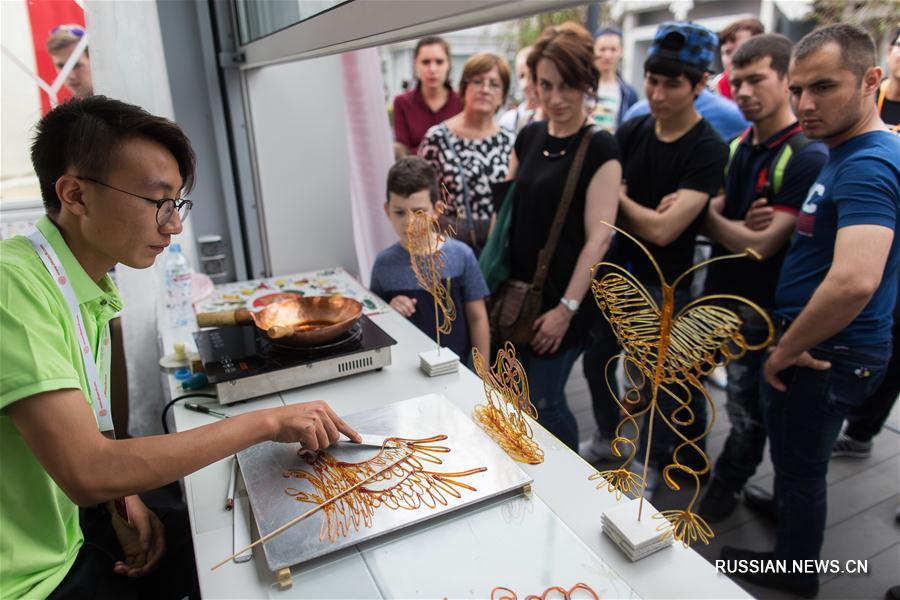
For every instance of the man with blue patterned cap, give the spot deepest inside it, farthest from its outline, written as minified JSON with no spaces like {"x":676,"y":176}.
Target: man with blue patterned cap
{"x":673,"y":150}
{"x":720,"y":112}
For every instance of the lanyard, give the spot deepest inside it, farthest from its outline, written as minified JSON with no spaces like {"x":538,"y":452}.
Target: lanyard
{"x":99,"y":391}
{"x":881,"y":95}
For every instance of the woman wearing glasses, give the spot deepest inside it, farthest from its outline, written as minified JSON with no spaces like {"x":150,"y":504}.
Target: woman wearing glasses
{"x":470,"y":151}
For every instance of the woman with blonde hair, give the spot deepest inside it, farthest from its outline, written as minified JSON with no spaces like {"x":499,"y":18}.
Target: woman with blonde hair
{"x":529,"y":109}
{"x":470,"y":151}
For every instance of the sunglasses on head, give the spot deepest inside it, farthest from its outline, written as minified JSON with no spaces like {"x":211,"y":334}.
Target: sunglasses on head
{"x":76,"y":30}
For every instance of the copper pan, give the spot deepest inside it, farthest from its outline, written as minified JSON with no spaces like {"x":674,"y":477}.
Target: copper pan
{"x":298,"y":321}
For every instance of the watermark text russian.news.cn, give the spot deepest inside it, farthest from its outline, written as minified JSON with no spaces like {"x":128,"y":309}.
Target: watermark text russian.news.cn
{"x":793,"y":567}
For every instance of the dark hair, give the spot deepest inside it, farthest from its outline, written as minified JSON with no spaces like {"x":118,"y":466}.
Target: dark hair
{"x":86,"y":133}
{"x":895,"y":36}
{"x":754,"y":26}
{"x":774,"y":45}
{"x":571,"y":48}
{"x":481,"y":63}
{"x":857,"y":47}
{"x":608,"y":31}
{"x":672,"y":68}
{"x":434,"y":40}
{"x":409,"y":175}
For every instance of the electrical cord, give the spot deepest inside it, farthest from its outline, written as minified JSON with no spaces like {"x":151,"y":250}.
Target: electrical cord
{"x":172,"y":402}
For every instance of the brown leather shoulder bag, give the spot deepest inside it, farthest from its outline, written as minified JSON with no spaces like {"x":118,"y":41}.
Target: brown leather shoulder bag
{"x":517,"y":304}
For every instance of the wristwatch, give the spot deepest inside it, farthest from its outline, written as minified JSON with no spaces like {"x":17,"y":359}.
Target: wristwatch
{"x":572,"y":305}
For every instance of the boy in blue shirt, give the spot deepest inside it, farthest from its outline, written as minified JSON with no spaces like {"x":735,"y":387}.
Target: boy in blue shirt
{"x":412,"y":186}
{"x":835,"y":293}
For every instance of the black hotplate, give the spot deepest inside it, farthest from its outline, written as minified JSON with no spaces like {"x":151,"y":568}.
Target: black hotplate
{"x":229,"y":353}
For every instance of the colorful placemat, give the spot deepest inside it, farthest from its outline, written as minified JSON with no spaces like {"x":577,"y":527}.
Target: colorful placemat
{"x":257,"y":293}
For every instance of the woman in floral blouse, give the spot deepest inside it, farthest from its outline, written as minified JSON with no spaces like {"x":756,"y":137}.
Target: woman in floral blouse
{"x":469,"y":151}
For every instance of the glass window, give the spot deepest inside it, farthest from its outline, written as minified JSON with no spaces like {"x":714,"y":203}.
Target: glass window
{"x":259,"y":18}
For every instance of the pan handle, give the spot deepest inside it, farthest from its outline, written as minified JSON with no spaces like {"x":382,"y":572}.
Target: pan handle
{"x":279,"y":331}
{"x":225,"y":318}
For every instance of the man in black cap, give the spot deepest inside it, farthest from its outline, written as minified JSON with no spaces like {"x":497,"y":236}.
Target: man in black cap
{"x":673,"y":150}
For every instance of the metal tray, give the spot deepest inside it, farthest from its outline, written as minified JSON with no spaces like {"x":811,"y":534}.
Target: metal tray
{"x":263,"y":466}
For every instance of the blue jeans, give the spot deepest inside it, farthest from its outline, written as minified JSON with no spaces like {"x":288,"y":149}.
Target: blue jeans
{"x":803,"y":424}
{"x":602,"y":345}
{"x":866,"y":421}
{"x":547,"y":376}
{"x":746,"y":441}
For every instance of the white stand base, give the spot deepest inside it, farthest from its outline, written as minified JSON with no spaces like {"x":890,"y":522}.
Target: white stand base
{"x":434,"y":364}
{"x":637,"y":539}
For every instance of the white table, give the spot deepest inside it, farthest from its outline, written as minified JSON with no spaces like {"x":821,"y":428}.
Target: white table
{"x":420,"y":560}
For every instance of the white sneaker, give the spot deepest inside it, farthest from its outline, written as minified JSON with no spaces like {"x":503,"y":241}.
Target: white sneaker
{"x":652,"y":476}
{"x":719,"y":378}
{"x":597,"y":449}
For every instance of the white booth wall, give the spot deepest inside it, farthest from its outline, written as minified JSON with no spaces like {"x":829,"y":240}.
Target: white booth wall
{"x":20,"y":104}
{"x":128,"y":63}
{"x":303,"y":179}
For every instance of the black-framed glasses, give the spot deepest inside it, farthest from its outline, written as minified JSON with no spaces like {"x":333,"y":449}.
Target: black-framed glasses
{"x":165,"y":208}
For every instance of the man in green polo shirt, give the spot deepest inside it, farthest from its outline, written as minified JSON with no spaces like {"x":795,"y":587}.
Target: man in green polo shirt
{"x":111,"y":177}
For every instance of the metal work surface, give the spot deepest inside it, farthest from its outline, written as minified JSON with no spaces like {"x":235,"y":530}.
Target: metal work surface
{"x":523,"y":544}
{"x":515,"y":542}
{"x":433,"y":482}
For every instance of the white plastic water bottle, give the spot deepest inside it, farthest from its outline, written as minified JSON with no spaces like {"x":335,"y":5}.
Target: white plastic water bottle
{"x":178,"y":288}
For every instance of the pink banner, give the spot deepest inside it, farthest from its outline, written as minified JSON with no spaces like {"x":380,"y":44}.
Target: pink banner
{"x":370,"y":155}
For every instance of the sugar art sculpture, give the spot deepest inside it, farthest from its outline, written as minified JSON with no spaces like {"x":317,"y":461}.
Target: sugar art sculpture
{"x":425,"y":239}
{"x":665,"y":352}
{"x":508,"y":403}
{"x":410,"y":484}
{"x":504,"y":593}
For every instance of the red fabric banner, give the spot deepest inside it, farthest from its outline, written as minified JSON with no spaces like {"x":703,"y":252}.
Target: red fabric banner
{"x":44,"y":16}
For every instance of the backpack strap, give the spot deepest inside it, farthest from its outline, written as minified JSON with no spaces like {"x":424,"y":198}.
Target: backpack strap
{"x":733,"y":147}
{"x":794,"y":144}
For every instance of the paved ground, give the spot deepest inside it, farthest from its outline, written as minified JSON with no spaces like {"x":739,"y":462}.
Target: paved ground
{"x":863,"y":496}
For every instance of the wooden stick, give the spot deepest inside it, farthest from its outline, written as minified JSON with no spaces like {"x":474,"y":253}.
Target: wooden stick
{"x":647,"y":456}
{"x":296,"y":520}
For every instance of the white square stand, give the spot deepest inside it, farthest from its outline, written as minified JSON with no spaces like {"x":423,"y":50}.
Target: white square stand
{"x":637,"y":539}
{"x":434,"y":364}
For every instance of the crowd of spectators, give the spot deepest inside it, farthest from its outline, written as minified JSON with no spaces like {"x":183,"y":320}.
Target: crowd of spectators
{"x":790,"y":159}
{"x":789,"y":152}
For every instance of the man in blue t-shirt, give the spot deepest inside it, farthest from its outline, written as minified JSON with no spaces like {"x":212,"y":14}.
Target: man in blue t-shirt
{"x":412,"y":186}
{"x":771,"y":164}
{"x":835,"y":294}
